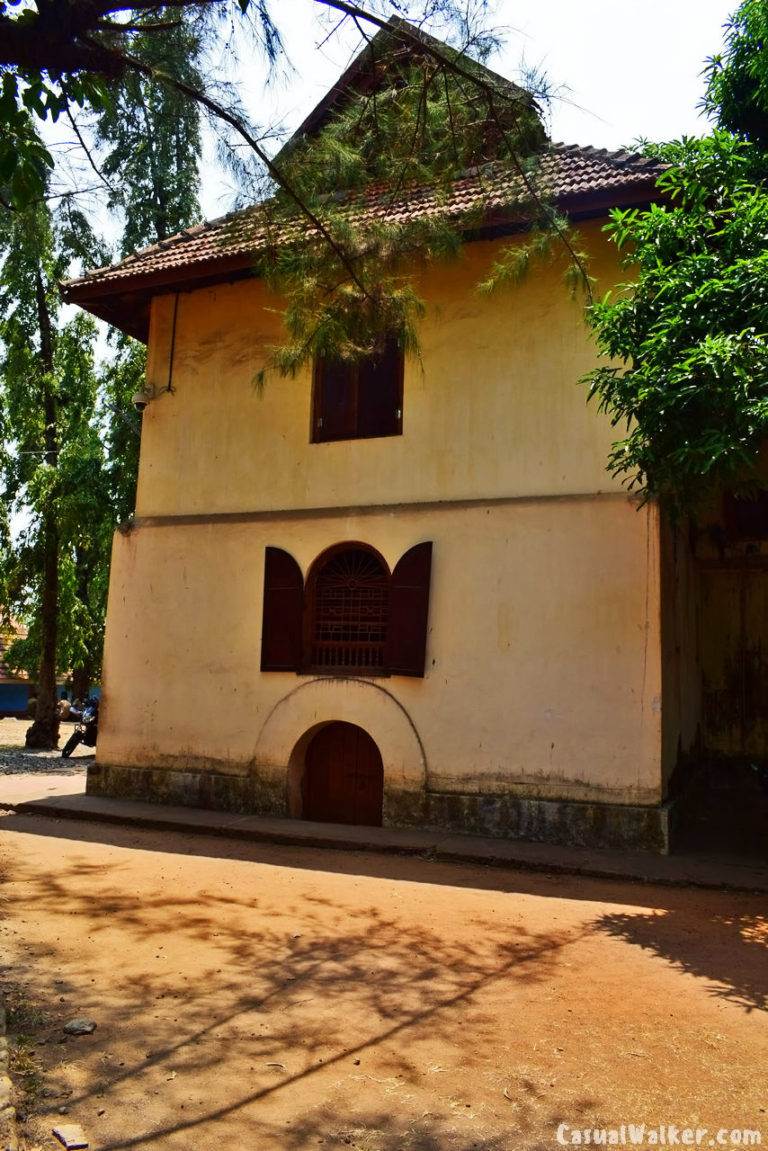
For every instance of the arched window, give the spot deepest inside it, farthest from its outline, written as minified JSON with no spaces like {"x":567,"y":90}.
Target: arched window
{"x":353,"y":616}
{"x":349,"y":590}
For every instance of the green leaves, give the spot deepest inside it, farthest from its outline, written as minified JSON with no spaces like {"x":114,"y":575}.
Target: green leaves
{"x":690,"y":330}
{"x":737,"y":79}
{"x":26,"y":98}
{"x":70,"y":436}
{"x":56,"y":423}
{"x":150,"y":139}
{"x":25,"y":162}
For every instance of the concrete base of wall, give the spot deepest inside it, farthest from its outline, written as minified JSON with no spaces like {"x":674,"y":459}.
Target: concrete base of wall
{"x":245,"y":794}
{"x":561,"y":821}
{"x":567,"y":822}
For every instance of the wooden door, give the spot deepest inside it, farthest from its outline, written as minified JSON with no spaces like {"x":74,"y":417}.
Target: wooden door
{"x":734,"y":659}
{"x":343,"y":777}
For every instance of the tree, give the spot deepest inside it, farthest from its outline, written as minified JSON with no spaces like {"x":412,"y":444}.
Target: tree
{"x":75,"y":486}
{"x":688,"y":333}
{"x":60,"y":55}
{"x":133,"y":89}
{"x":737,"y":78}
{"x":149,"y":140}
{"x":47,"y":389}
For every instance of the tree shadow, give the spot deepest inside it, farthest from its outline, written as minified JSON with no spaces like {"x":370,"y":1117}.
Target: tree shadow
{"x":347,"y":1129}
{"x":311,"y":988}
{"x":728,"y":951}
{"x":312,"y":995}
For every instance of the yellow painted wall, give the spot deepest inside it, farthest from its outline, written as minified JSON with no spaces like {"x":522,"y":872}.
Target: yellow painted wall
{"x":544,"y":655}
{"x":543,"y":672}
{"x":492,"y":410}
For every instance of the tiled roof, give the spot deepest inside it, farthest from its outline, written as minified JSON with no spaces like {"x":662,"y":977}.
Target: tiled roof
{"x":579,"y":179}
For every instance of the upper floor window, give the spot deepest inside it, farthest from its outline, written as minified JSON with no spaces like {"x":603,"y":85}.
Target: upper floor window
{"x":354,"y":616}
{"x":358,"y":400}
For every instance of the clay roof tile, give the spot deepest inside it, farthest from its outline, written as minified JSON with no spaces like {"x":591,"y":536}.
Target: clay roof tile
{"x":576,"y":178}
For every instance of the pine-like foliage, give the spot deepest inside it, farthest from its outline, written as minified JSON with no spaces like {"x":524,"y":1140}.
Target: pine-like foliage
{"x":415,"y":119}
{"x":149,"y":136}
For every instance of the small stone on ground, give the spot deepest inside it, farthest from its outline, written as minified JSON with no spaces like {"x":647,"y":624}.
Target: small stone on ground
{"x":71,"y":1135}
{"x":80,"y":1027}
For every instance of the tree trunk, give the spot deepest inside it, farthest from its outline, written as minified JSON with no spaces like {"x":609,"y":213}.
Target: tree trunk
{"x":81,"y":682}
{"x":83,"y":673}
{"x":44,"y":732}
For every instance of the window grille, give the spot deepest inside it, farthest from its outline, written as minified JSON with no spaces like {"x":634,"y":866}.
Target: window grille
{"x":351,"y":613}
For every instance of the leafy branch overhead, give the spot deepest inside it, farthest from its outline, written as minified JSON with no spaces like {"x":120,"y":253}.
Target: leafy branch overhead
{"x":60,"y":54}
{"x":419,"y":121}
{"x":687,"y":333}
{"x":425,"y":114}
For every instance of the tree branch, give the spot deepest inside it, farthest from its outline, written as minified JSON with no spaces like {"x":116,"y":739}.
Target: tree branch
{"x":234,"y":122}
{"x":84,"y":146}
{"x":161,"y":26}
{"x":57,"y":38}
{"x":492,"y":93}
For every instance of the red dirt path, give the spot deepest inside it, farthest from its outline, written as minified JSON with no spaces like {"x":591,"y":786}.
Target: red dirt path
{"x":280,"y":999}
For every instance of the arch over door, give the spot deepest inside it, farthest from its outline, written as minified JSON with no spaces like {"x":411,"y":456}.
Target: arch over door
{"x":343,"y":777}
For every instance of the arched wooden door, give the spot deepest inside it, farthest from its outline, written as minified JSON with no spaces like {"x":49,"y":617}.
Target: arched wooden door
{"x":343,"y":777}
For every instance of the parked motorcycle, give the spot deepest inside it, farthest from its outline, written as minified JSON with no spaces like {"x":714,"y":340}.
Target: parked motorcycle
{"x":86,"y":727}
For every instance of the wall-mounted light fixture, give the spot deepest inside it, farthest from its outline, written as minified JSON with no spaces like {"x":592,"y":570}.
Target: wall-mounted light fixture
{"x":149,"y":392}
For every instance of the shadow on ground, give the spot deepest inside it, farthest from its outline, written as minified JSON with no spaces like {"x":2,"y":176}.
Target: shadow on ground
{"x":728,"y":951}
{"x":282,"y":996}
{"x":281,"y":1003}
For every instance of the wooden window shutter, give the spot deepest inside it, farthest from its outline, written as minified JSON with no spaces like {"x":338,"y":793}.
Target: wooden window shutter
{"x":380,"y":393}
{"x":335,"y":404}
{"x":281,"y":630}
{"x":409,"y":611}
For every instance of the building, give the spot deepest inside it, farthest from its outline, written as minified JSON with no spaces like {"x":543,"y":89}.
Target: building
{"x":409,"y":593}
{"x":14,"y":685}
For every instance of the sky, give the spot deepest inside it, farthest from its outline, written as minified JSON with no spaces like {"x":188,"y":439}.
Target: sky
{"x":629,"y":68}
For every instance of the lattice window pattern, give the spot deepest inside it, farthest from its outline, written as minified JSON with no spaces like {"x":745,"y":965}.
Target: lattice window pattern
{"x":351,"y":613}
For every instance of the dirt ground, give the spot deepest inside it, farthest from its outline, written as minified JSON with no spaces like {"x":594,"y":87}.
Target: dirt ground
{"x":15,"y":758}
{"x":280,"y":999}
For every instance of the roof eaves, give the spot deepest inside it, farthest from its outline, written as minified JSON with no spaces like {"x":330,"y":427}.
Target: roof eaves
{"x":175,"y":241}
{"x":575,"y":201}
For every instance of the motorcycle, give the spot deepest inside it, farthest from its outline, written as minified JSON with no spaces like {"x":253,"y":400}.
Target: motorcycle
{"x":86,"y":728}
